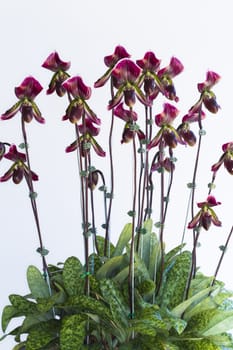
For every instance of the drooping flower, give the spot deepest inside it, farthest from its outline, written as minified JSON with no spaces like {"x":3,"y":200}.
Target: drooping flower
{"x":207,"y":95}
{"x":194,"y":114}
{"x":212,"y":79}
{"x":166,"y":164}
{"x":26,"y":93}
{"x":150,"y":65}
{"x":78,"y":106}
{"x":166,"y":75}
{"x":186,"y":134}
{"x":110,"y":61}
{"x":226,"y":159}
{"x":125,"y":77}
{"x":131,"y":128}
{"x":86,"y":140}
{"x":125,"y":114}
{"x":19,"y":169}
{"x":206,"y":215}
{"x":59,"y":67}
{"x":93,"y":178}
{"x":167,"y":132}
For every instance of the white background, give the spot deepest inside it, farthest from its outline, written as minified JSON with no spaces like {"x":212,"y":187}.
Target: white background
{"x":198,"y":32}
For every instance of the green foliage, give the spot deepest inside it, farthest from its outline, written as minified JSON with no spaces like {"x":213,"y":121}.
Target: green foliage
{"x":73,"y":276}
{"x":72,"y":332}
{"x":63,"y":316}
{"x":37,"y":284}
{"x":175,"y":278}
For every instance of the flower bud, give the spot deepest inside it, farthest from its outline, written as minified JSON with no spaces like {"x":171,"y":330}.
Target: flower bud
{"x":93,"y":179}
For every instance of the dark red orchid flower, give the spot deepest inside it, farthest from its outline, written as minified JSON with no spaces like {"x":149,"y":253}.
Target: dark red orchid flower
{"x":26,"y":93}
{"x":167,"y":132}
{"x":166,"y":76}
{"x":86,"y":140}
{"x":186,"y":134}
{"x":110,"y":61}
{"x":226,"y":159}
{"x":206,"y":215}
{"x":150,"y":65}
{"x":207,"y":95}
{"x":59,"y":67}
{"x":78,"y":106}
{"x":125,"y":77}
{"x":19,"y":168}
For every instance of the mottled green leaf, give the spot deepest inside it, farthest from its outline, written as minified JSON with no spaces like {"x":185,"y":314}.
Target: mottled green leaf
{"x":86,"y":304}
{"x":47,"y":304}
{"x":42,"y":335}
{"x":72,"y":332}
{"x":37,"y":284}
{"x":114,"y":298}
{"x":146,"y":287}
{"x":8,"y":313}
{"x":124,"y":238}
{"x":173,"y":289}
{"x":22,"y":304}
{"x":73,"y":276}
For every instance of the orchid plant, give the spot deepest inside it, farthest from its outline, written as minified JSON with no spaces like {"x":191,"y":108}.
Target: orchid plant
{"x":135,"y":294}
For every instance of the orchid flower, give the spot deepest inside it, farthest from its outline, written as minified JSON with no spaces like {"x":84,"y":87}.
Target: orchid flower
{"x":226,"y":159}
{"x":110,"y":61}
{"x":131,"y":128}
{"x":150,"y":65}
{"x":26,"y":93}
{"x":78,"y":106}
{"x":86,"y":140}
{"x":166,"y":75}
{"x":206,"y":215}
{"x":186,"y":134}
{"x":125,"y":77}
{"x":19,"y":169}
{"x":167,"y":132}
{"x":207,"y":95}
{"x":59,"y":67}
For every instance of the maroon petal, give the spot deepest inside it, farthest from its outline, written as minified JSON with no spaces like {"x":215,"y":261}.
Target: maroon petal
{"x":29,"y":88}
{"x":149,"y":62}
{"x":77,"y":88}
{"x":125,"y":114}
{"x":119,"y":53}
{"x":89,"y":128}
{"x":126,"y":71}
{"x":54,"y":63}
{"x":14,"y":155}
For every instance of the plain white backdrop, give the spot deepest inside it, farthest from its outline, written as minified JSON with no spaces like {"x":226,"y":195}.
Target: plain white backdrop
{"x":197,"y":32}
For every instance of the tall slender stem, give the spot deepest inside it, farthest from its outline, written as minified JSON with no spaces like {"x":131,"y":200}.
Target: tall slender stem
{"x":33,"y":202}
{"x":131,"y":263}
{"x":222,"y":256}
{"x":107,"y":236}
